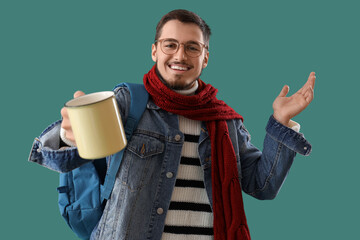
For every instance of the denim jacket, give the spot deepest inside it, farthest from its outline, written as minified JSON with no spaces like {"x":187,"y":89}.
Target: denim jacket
{"x":146,"y":178}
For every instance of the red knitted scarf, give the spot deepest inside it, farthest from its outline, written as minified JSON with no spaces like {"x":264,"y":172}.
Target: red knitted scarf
{"x":228,"y":209}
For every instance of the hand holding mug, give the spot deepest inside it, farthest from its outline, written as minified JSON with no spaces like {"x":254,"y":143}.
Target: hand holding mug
{"x":93,"y":122}
{"x":65,"y":124}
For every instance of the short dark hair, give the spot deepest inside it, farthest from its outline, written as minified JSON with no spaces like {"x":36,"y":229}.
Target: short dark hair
{"x":184,"y":16}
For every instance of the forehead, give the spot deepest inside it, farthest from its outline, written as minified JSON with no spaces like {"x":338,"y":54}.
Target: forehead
{"x":183,"y":32}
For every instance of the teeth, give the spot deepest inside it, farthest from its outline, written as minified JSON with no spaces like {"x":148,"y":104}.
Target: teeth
{"x":179,"y":68}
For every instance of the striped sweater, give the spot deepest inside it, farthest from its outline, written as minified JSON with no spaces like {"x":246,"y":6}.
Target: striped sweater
{"x":189,"y":216}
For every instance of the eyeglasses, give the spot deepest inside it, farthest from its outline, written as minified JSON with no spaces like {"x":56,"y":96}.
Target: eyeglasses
{"x":171,"y":46}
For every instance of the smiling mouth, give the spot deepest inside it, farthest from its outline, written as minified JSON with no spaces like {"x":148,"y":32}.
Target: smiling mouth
{"x":179,"y":67}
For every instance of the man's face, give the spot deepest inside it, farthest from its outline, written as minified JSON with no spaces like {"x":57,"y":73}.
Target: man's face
{"x":168,"y":65}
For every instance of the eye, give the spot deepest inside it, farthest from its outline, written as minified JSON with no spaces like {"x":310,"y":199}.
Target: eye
{"x":192,"y":47}
{"x":169,"y":45}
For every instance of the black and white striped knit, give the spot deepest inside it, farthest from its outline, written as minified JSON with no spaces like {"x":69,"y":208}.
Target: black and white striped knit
{"x":189,"y":216}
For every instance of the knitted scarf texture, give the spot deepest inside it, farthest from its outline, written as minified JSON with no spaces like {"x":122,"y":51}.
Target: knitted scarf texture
{"x":228,"y":209}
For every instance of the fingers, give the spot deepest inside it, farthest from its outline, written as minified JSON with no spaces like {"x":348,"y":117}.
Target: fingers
{"x":284,"y":91}
{"x":309,"y":94}
{"x":311,"y":80}
{"x":309,"y":83}
{"x":78,"y":94}
{"x":65,"y":124}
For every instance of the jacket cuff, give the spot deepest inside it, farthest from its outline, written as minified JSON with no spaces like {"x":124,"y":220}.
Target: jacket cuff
{"x":45,"y":151}
{"x":288,"y":137}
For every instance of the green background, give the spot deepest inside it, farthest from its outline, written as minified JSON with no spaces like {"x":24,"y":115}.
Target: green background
{"x":49,"y":49}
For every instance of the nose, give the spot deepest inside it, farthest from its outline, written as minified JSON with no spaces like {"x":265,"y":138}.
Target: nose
{"x":180,"y":54}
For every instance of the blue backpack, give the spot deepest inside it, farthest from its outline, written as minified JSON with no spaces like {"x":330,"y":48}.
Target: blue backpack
{"x":83,"y":191}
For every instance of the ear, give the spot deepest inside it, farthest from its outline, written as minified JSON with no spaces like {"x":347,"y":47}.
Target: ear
{"x":206,"y":59}
{"x":153,"y":52}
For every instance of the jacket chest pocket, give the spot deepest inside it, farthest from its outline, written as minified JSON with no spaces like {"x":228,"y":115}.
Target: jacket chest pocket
{"x":143,"y":156}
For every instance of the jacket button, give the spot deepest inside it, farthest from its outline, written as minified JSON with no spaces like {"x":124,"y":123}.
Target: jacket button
{"x":169,"y":174}
{"x":160,"y":211}
{"x":177,"y":137}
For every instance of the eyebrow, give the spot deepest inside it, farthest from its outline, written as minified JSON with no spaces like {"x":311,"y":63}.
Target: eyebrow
{"x":192,"y":41}
{"x":171,"y":39}
{"x":174,"y":40}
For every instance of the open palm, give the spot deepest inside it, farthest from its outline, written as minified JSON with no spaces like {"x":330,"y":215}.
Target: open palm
{"x":286,"y":108}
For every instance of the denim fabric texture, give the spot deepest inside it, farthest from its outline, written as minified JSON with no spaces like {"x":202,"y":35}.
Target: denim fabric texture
{"x":141,"y":196}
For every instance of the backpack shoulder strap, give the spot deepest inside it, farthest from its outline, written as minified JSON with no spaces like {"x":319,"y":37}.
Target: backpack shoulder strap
{"x":139,"y":98}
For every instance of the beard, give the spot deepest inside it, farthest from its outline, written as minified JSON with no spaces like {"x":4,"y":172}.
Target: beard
{"x":176,"y":85}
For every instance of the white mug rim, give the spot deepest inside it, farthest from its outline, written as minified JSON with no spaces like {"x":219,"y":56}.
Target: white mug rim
{"x":79,"y":101}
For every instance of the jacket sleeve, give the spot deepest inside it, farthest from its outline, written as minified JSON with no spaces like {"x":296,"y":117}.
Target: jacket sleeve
{"x":46,"y":149}
{"x":263,"y":172}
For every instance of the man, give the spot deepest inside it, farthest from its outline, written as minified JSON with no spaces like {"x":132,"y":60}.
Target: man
{"x":189,"y":159}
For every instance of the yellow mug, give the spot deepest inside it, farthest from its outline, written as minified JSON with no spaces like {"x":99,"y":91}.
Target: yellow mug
{"x":96,"y":124}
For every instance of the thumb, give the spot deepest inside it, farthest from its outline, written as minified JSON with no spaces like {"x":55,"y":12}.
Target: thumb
{"x":284,"y":91}
{"x":78,"y":94}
